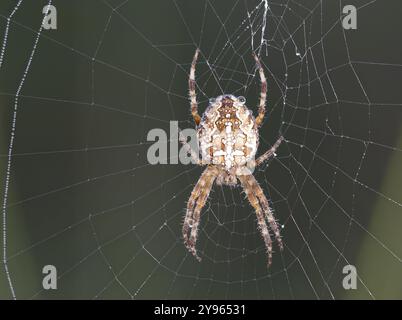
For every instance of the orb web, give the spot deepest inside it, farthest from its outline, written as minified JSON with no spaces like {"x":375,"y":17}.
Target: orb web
{"x":80,"y":194}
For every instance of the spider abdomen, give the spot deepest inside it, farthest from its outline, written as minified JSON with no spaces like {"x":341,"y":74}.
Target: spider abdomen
{"x":227,"y":133}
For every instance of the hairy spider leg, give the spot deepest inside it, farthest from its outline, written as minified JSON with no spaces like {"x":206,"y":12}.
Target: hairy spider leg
{"x":263,"y":94}
{"x":260,"y":204}
{"x":270,"y":153}
{"x":191,"y":86}
{"x":197,"y":200}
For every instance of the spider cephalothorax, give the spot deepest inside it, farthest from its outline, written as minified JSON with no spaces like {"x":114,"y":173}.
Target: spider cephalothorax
{"x":228,"y":141}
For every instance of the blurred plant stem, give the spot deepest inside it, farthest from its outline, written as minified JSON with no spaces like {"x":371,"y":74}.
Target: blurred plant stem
{"x":379,"y":262}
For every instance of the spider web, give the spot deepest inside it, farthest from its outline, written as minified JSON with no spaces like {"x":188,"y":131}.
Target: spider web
{"x":79,"y":193}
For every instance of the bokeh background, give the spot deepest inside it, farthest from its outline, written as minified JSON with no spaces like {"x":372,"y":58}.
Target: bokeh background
{"x":83,"y":197}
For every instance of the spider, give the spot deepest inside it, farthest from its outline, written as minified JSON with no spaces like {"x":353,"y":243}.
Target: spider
{"x":228,"y":139}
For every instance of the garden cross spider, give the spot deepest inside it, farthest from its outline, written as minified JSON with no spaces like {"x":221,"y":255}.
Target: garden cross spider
{"x":228,"y":139}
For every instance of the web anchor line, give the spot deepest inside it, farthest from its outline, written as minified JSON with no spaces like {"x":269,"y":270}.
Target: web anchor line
{"x":12,"y":141}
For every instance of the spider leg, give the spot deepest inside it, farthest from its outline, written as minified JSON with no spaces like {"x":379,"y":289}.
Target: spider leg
{"x":265,"y":206}
{"x":270,"y":153}
{"x":270,"y":217}
{"x":197,"y":200}
{"x":191,"y":85}
{"x":263,"y":94}
{"x":250,"y":192}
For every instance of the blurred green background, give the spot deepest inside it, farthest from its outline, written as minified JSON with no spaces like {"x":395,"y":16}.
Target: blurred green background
{"x":83,"y":197}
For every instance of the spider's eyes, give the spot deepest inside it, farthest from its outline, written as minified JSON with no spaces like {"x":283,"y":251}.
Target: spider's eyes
{"x":212,"y":101}
{"x":242,"y":99}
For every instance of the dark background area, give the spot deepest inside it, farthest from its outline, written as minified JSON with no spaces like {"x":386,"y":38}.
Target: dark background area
{"x":84,"y":198}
